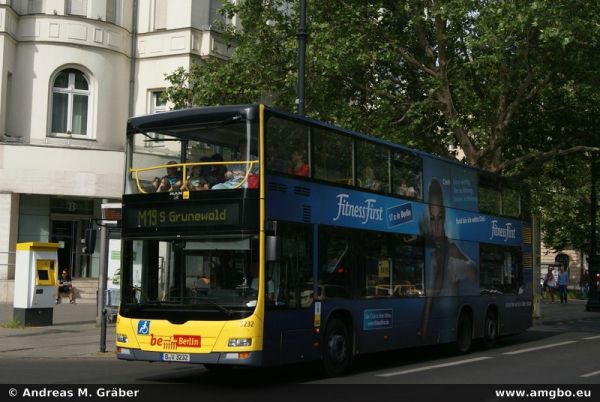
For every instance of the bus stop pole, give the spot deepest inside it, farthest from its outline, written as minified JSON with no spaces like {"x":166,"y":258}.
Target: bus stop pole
{"x":101,"y":316}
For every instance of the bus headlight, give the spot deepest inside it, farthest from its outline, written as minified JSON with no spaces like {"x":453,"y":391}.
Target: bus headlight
{"x":239,"y":342}
{"x":121,"y":338}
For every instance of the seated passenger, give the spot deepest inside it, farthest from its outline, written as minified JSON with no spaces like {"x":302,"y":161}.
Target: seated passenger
{"x":171,"y":181}
{"x":217,"y":172}
{"x":64,"y":287}
{"x":368,"y":179}
{"x":206,"y":170}
{"x":236,"y":173}
{"x":406,"y":190}
{"x":196,"y":182}
{"x":299,"y":167}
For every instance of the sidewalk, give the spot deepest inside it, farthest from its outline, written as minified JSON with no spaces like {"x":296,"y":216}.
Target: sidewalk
{"x":573,"y":310}
{"x":74,"y":334}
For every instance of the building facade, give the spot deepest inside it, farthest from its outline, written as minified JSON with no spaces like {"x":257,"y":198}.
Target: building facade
{"x":71,"y":73}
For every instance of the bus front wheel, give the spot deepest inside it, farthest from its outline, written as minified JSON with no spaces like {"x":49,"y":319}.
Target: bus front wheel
{"x":337,"y":355}
{"x":464,"y":334}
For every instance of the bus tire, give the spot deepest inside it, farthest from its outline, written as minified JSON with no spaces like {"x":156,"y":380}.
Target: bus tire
{"x":464,"y":334}
{"x":490,"y":329}
{"x":337,"y":353}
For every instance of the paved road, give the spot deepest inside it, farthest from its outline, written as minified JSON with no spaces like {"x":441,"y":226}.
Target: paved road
{"x":563,"y":347}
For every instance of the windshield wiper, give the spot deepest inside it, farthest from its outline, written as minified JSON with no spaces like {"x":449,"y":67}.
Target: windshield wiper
{"x":223,"y":309}
{"x":139,"y":306}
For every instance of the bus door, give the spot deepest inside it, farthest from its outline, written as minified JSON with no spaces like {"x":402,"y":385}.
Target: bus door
{"x":289,"y":333}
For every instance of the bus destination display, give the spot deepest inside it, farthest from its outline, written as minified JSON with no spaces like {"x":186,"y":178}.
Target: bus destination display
{"x":178,"y":215}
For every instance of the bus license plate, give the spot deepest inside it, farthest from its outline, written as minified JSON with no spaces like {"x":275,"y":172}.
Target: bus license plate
{"x":175,"y":357}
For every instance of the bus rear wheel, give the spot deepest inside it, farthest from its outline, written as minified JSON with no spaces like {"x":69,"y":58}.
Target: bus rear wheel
{"x":490,"y":329}
{"x":464,"y":334}
{"x":337,"y":355}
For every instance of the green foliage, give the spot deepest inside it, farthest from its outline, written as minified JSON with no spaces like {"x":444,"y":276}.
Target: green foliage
{"x":12,"y":324}
{"x":513,"y":84}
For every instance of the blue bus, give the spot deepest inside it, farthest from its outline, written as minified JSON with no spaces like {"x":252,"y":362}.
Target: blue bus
{"x":256,"y":237}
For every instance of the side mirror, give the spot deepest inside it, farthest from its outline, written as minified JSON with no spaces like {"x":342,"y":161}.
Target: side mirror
{"x":273,"y":246}
{"x":89,"y":241}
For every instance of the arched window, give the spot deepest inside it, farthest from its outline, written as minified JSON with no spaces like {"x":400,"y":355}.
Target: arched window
{"x":70,"y":103}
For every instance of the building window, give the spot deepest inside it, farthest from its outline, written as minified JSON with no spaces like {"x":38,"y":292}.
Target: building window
{"x":70,"y":103}
{"x":77,"y":7}
{"x":35,"y":6}
{"x":157,"y":105}
{"x":112,"y":11}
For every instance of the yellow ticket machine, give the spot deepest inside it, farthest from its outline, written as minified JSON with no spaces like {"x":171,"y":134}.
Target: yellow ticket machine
{"x":35,"y":283}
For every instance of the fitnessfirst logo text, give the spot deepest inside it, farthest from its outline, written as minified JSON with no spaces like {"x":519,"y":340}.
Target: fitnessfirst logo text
{"x":505,"y":233}
{"x":366,"y":212}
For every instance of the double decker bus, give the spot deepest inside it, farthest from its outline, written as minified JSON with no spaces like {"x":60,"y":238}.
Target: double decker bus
{"x":255,"y":237}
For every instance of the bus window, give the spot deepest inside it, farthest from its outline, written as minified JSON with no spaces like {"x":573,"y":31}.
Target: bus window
{"x":287,"y":147}
{"x":406,"y":175}
{"x":189,"y":273}
{"x":409,"y":263}
{"x":490,"y":199}
{"x":511,"y":202}
{"x":184,"y":146}
{"x":393,"y":265}
{"x":377,"y":266}
{"x":332,"y":157}
{"x":335,"y":265}
{"x":501,"y":269}
{"x":293,"y":275}
{"x":372,"y":163}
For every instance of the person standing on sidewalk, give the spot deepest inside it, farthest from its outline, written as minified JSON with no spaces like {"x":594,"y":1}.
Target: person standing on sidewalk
{"x":550,"y":284}
{"x":585,"y":284}
{"x":563,"y":281}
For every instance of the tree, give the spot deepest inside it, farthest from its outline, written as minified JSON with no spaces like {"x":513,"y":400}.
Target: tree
{"x":513,"y":85}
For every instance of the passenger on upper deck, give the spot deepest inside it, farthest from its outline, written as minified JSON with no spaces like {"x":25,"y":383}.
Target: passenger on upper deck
{"x":298,"y":167}
{"x":171,"y":181}
{"x":406,"y":190}
{"x":236,"y":173}
{"x":196,"y":182}
{"x":368,"y":179}
{"x":217,"y":172}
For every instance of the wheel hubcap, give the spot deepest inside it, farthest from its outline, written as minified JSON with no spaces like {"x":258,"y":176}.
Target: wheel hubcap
{"x":491,"y":329}
{"x":337,"y":348}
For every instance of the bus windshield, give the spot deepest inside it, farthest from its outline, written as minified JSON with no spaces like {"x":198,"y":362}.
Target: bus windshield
{"x":222,"y":155}
{"x":213,"y":274}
